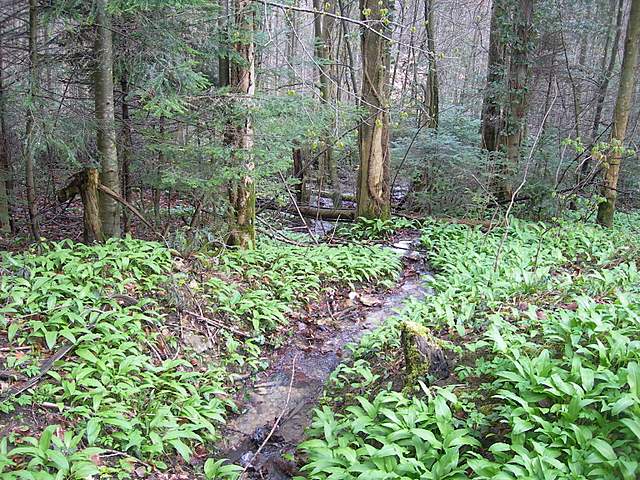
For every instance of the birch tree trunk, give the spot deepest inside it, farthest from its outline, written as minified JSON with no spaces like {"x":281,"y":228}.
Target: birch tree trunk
{"x":373,"y":196}
{"x":105,"y":121}
{"x":621,"y":116}
{"x":241,"y":192}
{"x":30,"y":122}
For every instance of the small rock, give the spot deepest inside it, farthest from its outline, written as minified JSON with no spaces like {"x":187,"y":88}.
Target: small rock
{"x":369,"y":301}
{"x":246,"y":459}
{"x":140,"y":471}
{"x":199,"y":343}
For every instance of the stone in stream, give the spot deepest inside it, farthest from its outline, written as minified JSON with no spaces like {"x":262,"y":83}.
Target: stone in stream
{"x":422,"y":354}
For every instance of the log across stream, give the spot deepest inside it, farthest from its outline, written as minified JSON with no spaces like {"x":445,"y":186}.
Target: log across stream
{"x":277,"y":397}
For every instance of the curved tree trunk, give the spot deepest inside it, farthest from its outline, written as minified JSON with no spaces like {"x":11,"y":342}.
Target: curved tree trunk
{"x":621,"y":116}
{"x":241,"y":192}
{"x":105,"y":121}
{"x":374,"y":199}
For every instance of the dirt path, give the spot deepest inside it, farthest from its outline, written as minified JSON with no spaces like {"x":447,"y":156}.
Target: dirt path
{"x":277,"y":395}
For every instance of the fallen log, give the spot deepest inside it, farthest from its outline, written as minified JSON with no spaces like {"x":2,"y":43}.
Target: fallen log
{"x":311,"y":211}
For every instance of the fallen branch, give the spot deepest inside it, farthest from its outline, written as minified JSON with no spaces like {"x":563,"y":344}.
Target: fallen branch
{"x":133,"y":209}
{"x":218,"y":324}
{"x":44,"y":368}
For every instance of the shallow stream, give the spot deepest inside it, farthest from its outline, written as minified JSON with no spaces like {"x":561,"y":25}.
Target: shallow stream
{"x":276,"y":395}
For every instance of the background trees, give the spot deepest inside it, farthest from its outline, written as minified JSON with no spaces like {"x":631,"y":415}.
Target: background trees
{"x":184,"y":132}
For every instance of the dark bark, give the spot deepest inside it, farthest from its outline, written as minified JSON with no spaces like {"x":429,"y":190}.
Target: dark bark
{"x":6,"y":177}
{"x":30,"y":121}
{"x":432,"y":101}
{"x":125,"y":150}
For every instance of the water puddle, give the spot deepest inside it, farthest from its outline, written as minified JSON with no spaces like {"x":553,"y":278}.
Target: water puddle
{"x":277,"y":395}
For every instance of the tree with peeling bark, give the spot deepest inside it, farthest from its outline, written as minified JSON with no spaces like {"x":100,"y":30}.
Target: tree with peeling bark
{"x":373,"y":189}
{"x":105,"y":120}
{"x":241,"y":190}
{"x":621,"y":113}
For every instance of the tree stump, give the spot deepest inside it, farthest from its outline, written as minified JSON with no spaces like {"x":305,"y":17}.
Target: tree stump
{"x":86,"y":184}
{"x":422,"y":354}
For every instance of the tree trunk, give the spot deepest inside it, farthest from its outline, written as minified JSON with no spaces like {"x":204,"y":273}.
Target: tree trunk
{"x":300,"y":174}
{"x":492,"y":117}
{"x":127,"y":143}
{"x":374,"y":199}
{"x":105,"y":121}
{"x":505,"y":101}
{"x":432,"y":101}
{"x":621,"y":116}
{"x":6,"y":183}
{"x":223,"y":58}
{"x":323,"y":28}
{"x":241,"y":192}
{"x":607,"y":74}
{"x":518,"y":79}
{"x":30,"y":123}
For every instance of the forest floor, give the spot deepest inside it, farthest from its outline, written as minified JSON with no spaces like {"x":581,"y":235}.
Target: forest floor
{"x":129,"y":359}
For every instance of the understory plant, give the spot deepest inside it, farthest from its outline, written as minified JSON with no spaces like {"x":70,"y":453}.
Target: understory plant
{"x":544,"y":320}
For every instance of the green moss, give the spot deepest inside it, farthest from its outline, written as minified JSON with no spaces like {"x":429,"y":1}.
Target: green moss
{"x":417,"y":365}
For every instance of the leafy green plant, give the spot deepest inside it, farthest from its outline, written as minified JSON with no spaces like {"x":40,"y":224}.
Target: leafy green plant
{"x":49,"y":457}
{"x":375,"y":228}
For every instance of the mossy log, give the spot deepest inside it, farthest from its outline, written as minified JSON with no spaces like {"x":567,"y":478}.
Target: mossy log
{"x":423,"y":355}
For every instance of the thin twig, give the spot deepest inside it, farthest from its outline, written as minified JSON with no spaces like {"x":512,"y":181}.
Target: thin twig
{"x":218,"y":324}
{"x":295,"y":204}
{"x":522,"y":184}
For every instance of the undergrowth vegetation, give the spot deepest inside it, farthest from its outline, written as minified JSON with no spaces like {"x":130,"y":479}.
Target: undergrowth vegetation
{"x":543,"y":322}
{"x":92,"y":328}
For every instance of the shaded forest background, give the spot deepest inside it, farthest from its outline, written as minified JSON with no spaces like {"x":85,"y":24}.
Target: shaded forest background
{"x":189,"y":107}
